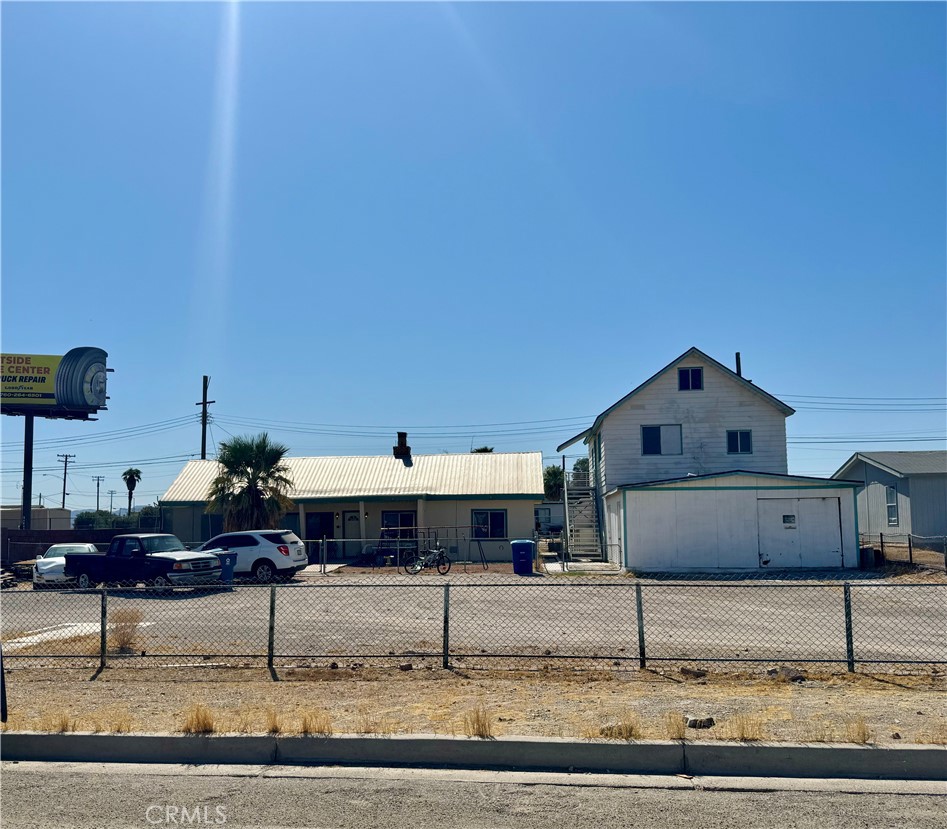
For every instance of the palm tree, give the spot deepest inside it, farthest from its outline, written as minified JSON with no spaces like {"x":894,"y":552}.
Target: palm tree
{"x":131,"y":477}
{"x":252,"y":484}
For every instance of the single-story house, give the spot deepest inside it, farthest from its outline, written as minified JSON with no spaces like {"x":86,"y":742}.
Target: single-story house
{"x":900,"y":493}
{"x":735,"y":520}
{"x":471,"y":501}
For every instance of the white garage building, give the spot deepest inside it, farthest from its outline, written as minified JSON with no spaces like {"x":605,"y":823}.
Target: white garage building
{"x":735,"y":521}
{"x":689,"y":471}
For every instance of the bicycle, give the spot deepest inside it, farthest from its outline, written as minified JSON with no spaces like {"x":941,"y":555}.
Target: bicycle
{"x":437,"y":558}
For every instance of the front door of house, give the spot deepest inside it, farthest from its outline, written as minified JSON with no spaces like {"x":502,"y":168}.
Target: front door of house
{"x":352,"y":533}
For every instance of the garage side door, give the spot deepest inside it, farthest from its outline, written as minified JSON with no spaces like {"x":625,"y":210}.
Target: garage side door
{"x":780,"y":544}
{"x":820,"y":532}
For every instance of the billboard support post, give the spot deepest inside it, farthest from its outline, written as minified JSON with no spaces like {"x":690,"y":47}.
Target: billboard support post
{"x":26,"y":516}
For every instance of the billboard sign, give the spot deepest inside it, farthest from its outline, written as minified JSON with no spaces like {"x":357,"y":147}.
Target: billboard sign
{"x":71,"y":386}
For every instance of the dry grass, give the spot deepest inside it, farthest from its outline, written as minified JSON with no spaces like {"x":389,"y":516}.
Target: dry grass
{"x":316,"y":722}
{"x":857,"y":731}
{"x":478,"y":722}
{"x":124,"y":624}
{"x":59,"y":722}
{"x":815,"y":731}
{"x":243,"y":722}
{"x":746,"y":728}
{"x":371,"y":722}
{"x":273,"y":723}
{"x":936,"y":736}
{"x":198,"y":719}
{"x":675,"y":726}
{"x":626,"y":726}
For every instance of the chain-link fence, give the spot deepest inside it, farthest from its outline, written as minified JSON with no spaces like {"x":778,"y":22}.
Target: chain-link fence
{"x":906,"y":548}
{"x":495,"y":625}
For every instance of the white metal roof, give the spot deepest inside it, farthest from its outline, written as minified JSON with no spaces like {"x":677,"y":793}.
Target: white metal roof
{"x":488,"y":474}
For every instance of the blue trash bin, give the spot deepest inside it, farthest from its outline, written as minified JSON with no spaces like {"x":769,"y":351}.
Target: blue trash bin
{"x":227,"y":562}
{"x":523,"y":554}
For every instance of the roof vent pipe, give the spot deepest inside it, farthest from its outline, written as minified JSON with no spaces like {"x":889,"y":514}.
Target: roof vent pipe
{"x":402,"y":450}
{"x":739,"y":369}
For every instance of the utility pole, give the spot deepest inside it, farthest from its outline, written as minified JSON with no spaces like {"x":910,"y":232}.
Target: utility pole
{"x":39,"y":500}
{"x":65,"y":466}
{"x":111,"y":495}
{"x":98,"y":480}
{"x":204,"y":404}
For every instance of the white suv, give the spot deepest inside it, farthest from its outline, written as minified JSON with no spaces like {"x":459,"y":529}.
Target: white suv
{"x":264,"y":555}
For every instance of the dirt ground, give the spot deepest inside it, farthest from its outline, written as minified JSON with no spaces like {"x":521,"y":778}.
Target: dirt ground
{"x":881,"y":709}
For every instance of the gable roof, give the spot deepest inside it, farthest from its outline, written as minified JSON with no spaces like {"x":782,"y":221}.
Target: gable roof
{"x":691,"y":352}
{"x":486,"y":474}
{"x":924,"y":462}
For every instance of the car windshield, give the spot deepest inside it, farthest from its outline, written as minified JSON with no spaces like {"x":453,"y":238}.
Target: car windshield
{"x":162,"y":544}
{"x":60,"y":551}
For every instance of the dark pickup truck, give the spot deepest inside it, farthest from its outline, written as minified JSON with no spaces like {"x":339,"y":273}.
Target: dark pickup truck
{"x":153,"y":558}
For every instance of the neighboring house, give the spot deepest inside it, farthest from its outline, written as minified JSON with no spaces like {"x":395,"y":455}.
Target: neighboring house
{"x":900,"y":493}
{"x":485,"y":497}
{"x":550,"y":517}
{"x":689,"y":471}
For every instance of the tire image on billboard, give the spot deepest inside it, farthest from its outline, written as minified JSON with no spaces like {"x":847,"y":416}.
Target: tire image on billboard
{"x":81,"y":379}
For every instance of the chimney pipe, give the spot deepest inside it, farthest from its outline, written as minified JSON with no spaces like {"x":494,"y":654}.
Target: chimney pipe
{"x":402,"y":450}
{"x":739,"y":369}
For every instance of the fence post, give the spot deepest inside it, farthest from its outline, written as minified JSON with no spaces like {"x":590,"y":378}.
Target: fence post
{"x":446,"y":660}
{"x":323,"y":556}
{"x":103,"y":629}
{"x":271,"y":641}
{"x":849,"y":639}
{"x":910,"y":549}
{"x":639,"y":607}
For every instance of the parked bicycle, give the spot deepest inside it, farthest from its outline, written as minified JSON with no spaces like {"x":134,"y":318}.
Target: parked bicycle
{"x":416,"y":562}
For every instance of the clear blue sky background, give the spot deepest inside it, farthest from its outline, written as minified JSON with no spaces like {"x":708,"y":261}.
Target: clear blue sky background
{"x":438,"y":218}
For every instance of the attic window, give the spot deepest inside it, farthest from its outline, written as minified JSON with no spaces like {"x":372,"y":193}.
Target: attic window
{"x":690,"y":379}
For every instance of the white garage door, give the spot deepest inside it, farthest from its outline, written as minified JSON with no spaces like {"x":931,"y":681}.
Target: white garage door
{"x":799,"y":532}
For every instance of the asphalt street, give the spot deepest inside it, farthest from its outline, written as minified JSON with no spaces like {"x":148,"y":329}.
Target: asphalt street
{"x":84,"y":796}
{"x":338,"y":616}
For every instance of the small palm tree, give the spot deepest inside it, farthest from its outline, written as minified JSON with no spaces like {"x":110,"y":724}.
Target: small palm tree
{"x":131,"y":477}
{"x":252,"y":484}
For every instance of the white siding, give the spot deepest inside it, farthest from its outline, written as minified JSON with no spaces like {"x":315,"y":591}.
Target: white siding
{"x":705,"y":417}
{"x":714,"y":524}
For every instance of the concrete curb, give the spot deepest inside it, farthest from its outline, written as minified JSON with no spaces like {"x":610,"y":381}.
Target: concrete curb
{"x":915,"y":762}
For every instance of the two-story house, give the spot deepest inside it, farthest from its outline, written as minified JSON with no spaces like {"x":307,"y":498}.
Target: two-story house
{"x":688,"y":471}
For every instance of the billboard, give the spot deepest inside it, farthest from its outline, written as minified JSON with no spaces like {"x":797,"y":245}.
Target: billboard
{"x":71,"y":386}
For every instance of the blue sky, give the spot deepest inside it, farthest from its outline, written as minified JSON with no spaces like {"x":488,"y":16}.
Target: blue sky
{"x":358,"y":218}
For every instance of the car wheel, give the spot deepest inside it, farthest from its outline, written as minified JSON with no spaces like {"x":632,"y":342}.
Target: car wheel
{"x":162,"y":584}
{"x":84,"y":581}
{"x":263,"y":572}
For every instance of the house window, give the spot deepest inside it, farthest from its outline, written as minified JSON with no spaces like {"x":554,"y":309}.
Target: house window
{"x":488,"y":523}
{"x":891,"y":501}
{"x":661,"y":440}
{"x":690,"y":379}
{"x":740,"y":442}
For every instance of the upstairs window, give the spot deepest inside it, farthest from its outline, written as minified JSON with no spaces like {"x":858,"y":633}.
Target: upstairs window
{"x":690,"y":379}
{"x":661,"y":440}
{"x":740,"y":442}
{"x":891,"y":502}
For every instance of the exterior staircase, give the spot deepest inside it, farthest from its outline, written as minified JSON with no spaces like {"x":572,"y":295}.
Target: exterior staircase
{"x":583,"y":536}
